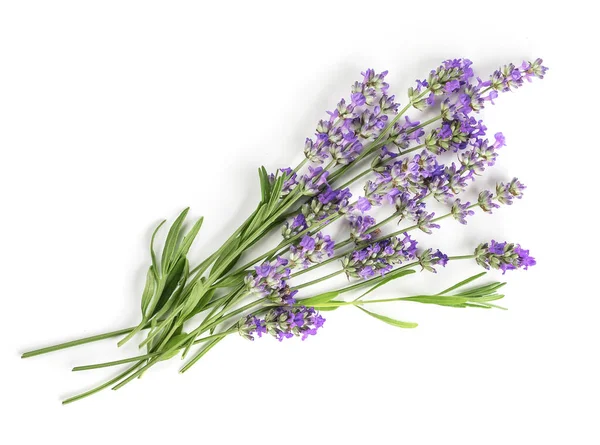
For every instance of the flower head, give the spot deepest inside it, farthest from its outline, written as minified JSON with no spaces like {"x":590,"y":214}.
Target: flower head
{"x":311,"y":249}
{"x":505,"y":193}
{"x":380,"y":257}
{"x":429,"y":258}
{"x":461,"y":211}
{"x":503,"y":256}
{"x":360,"y":226}
{"x":270,"y":279}
{"x":282,"y":322}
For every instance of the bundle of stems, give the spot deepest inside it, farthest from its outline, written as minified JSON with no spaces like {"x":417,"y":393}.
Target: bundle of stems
{"x":369,"y":137}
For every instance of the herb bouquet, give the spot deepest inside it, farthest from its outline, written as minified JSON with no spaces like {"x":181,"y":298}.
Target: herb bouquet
{"x":366,"y":138}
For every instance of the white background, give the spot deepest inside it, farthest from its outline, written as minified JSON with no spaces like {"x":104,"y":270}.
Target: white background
{"x":116,"y":114}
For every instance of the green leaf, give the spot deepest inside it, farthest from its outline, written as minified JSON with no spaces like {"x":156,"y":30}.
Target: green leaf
{"x":225,"y":253}
{"x":149,"y":289}
{"x":154,"y":261}
{"x":275,"y":194}
{"x":328,"y":296}
{"x":391,"y":321}
{"x":172,"y":342}
{"x":231,"y":280}
{"x":256,"y":221}
{"x":463,"y":283}
{"x":265,"y":185}
{"x":326,"y":308}
{"x":321,"y":298}
{"x":171,"y":241}
{"x":438,"y":300}
{"x":203,"y":301}
{"x":487,"y":289}
{"x":387,"y":278}
{"x":188,"y":239}
{"x":176,"y":276}
{"x":197,"y":295}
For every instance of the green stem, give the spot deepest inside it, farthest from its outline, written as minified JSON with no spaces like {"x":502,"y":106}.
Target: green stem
{"x":145,"y":356}
{"x":78,"y":342}
{"x":326,"y":277}
{"x":461,"y":257}
{"x":104,"y":385}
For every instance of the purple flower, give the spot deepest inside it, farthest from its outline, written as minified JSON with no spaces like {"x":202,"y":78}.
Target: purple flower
{"x":270,"y":279}
{"x":424,"y":221}
{"x":447,"y":78}
{"x":283,"y":322}
{"x":505,"y":193}
{"x":314,"y":180}
{"x":375,"y":81}
{"x":452,"y":86}
{"x":461,"y":211}
{"x":457,"y":131}
{"x":319,"y":208}
{"x":407,"y":206}
{"x":311,"y":249}
{"x":297,"y":225}
{"x":380,"y":257}
{"x":428,"y":259}
{"x":290,"y":180}
{"x":402,"y":135}
{"x":511,"y":77}
{"x":359,"y":227}
{"x":363,"y":204}
{"x":350,"y":125}
{"x":486,"y":201}
{"x":503,"y":256}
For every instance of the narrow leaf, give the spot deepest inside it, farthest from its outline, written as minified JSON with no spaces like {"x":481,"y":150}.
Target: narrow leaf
{"x":265,"y":185}
{"x":231,"y":280}
{"x":188,"y":239}
{"x":488,"y":288}
{"x":327,"y":296}
{"x":321,"y":298}
{"x":386,"y":279}
{"x":390,"y":321}
{"x":154,"y":261}
{"x":171,"y":343}
{"x":177,"y":274}
{"x":149,"y":289}
{"x":171,"y":241}
{"x":462,"y":283}
{"x":225,"y":253}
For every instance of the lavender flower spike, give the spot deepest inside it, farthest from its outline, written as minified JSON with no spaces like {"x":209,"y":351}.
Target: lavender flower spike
{"x":429,"y":258}
{"x":503,"y":256}
{"x":283,"y":322}
{"x":380,"y":257}
{"x":311,"y":250}
{"x":461,"y":211}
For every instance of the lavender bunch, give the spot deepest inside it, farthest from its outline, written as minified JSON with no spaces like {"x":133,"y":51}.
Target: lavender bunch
{"x":401,"y":169}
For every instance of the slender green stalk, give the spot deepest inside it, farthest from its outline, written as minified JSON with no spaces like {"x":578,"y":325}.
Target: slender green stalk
{"x":78,"y":342}
{"x":104,"y":385}
{"x":146,"y":356}
{"x":326,"y":277}
{"x":461,"y":257}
